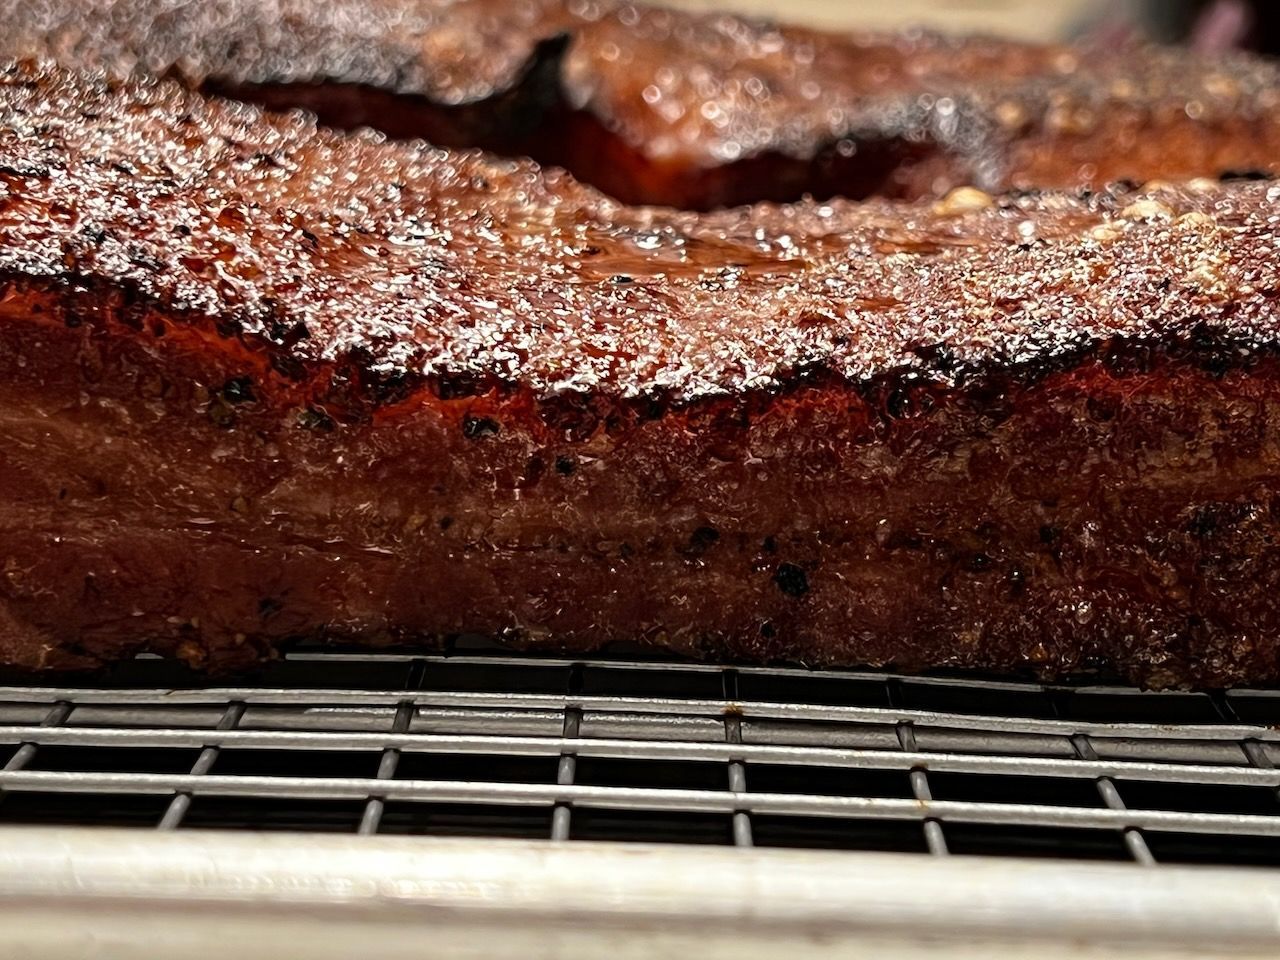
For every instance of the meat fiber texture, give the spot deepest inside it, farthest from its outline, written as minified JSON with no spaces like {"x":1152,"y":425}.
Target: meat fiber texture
{"x":262,"y":382}
{"x":695,"y":110}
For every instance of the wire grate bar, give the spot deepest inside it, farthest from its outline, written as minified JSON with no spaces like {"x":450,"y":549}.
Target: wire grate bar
{"x":680,"y":750}
{"x":26,"y":751}
{"x":181,"y":803}
{"x":1259,"y":758}
{"x":621,"y":749}
{"x":1254,"y":751}
{"x":742,"y":833}
{"x":670,"y":706}
{"x":720,"y":802}
{"x":1257,"y":755}
{"x":1134,"y":841}
{"x":934,"y":838}
{"x":371,"y":817}
{"x":567,"y":768}
{"x":933,"y":835}
{"x":389,"y":762}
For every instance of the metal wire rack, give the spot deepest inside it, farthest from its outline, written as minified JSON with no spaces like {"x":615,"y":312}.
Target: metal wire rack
{"x":479,"y":742}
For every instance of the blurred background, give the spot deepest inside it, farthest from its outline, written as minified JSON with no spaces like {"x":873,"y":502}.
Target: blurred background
{"x":1209,"y":24}
{"x":1035,"y":19}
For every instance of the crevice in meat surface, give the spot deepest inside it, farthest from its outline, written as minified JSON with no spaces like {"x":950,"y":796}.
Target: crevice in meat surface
{"x":538,"y":124}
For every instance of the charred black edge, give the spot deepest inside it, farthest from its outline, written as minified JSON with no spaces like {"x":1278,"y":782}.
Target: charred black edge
{"x":352,"y":393}
{"x":892,"y":396}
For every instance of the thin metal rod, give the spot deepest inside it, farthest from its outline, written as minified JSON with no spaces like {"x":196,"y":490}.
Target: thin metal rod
{"x":181,"y":803}
{"x":934,"y":838}
{"x":933,"y":835}
{"x":375,"y":806}
{"x":1260,"y":759}
{"x":742,"y":832}
{"x":671,"y":706}
{"x":1255,"y":752}
{"x":1134,"y":841}
{"x":26,"y":751}
{"x":633,"y":798}
{"x":567,"y":768}
{"x":371,"y":818}
{"x":487,"y":744}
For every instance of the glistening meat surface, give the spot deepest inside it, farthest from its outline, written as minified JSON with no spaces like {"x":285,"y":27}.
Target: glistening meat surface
{"x":695,"y":111}
{"x":261,"y":382}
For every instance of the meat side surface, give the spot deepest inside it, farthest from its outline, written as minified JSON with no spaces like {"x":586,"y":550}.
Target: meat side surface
{"x":262,"y":382}
{"x":690,"y":110}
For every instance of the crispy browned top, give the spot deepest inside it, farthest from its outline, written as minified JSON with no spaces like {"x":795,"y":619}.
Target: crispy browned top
{"x":329,"y":254}
{"x":708,"y":89}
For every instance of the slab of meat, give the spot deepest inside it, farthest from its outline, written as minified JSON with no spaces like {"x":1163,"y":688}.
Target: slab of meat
{"x":696,"y":111}
{"x":259,"y":381}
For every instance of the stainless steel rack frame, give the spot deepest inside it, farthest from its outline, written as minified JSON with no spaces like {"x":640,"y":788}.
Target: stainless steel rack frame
{"x":899,"y":773}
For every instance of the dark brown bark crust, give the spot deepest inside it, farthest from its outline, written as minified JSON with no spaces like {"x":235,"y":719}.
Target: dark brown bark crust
{"x":261,"y":382}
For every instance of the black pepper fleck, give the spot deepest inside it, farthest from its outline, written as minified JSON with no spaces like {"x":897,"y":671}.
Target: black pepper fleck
{"x":313,"y":419}
{"x":220,"y":413}
{"x":700,"y":541}
{"x":1101,"y":409}
{"x":897,"y":403}
{"x":791,"y":580}
{"x":1017,"y":581}
{"x":533,"y":470}
{"x":238,"y":390}
{"x":705,"y":536}
{"x":474,"y":428}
